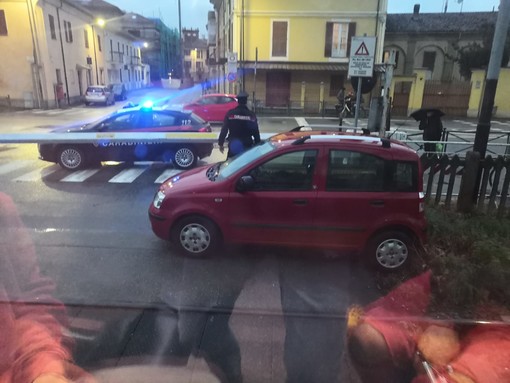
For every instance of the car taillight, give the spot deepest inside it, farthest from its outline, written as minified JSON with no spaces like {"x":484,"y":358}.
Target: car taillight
{"x":421,"y":202}
{"x":205,"y":129}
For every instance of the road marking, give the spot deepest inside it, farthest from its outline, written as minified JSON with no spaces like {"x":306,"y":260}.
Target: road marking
{"x":79,"y":176}
{"x":465,"y":122}
{"x":167,"y":174}
{"x":301,"y":121}
{"x":7,"y":168}
{"x":127,"y":175}
{"x":38,"y":174}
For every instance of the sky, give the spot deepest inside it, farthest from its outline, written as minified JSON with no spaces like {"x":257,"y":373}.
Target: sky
{"x":194,"y":12}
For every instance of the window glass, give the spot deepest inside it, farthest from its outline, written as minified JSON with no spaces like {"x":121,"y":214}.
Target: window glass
{"x":231,"y":166}
{"x":162,"y":119}
{"x":405,"y":177}
{"x":290,"y":171}
{"x":122,"y":122}
{"x":354,"y":171}
{"x":340,"y":34}
{"x":51,"y":20}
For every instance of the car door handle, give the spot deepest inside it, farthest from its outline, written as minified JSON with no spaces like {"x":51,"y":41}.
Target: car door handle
{"x":377,"y":203}
{"x":300,"y":202}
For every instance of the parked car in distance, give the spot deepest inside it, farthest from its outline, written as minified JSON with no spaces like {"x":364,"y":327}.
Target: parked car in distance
{"x":353,"y":193}
{"x":99,"y":94}
{"x":212,"y":107}
{"x":119,"y":91}
{"x":183,"y":155}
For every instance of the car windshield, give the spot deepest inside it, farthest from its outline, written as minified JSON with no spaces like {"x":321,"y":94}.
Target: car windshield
{"x":231,"y":166}
{"x":255,"y":191}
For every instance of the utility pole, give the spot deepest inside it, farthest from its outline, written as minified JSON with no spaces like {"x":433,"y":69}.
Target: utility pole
{"x":181,"y":48}
{"x":491,"y":82}
{"x":388,"y":78}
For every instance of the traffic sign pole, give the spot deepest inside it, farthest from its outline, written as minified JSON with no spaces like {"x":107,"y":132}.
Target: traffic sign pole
{"x":358,"y":102}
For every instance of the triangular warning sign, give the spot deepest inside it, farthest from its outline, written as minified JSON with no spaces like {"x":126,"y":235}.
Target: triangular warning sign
{"x":362,"y":50}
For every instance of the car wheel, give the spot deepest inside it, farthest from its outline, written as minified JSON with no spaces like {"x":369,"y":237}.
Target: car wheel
{"x":71,"y":158}
{"x":184,"y":158}
{"x":390,"y":250}
{"x":195,"y":236}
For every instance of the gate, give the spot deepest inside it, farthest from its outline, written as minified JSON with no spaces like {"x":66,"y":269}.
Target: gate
{"x":451,"y":97}
{"x":401,"y":98}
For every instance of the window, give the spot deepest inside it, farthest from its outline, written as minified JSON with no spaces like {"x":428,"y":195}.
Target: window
{"x":86,"y":37}
{"x":338,"y":39}
{"x":405,"y":177}
{"x":68,"y":31}
{"x":335,"y":84}
{"x":122,"y":122}
{"x":354,"y":171}
{"x":187,"y":52}
{"x":429,"y":60}
{"x":51,"y":22}
{"x":99,"y":43}
{"x":290,"y":171}
{"x":161,"y":119}
{"x":279,"y":39}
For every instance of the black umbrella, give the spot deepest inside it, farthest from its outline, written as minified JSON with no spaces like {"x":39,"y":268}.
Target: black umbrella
{"x":423,"y":113}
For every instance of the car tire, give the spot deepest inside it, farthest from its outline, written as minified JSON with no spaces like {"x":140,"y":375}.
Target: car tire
{"x":184,"y":157}
{"x":390,"y":250}
{"x":195,"y":236}
{"x":71,"y":158}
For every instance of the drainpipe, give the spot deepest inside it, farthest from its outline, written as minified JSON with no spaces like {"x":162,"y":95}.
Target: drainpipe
{"x":62,"y":50}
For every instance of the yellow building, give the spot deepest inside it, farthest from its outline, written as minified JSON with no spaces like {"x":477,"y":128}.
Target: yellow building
{"x":290,"y":52}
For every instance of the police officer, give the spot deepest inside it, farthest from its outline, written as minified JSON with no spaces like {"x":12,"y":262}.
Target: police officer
{"x":241,"y":126}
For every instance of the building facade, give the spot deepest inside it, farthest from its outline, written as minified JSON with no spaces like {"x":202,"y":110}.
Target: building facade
{"x":284,"y":46}
{"x":65,"y":51}
{"x":195,"y":51}
{"x":428,"y":40}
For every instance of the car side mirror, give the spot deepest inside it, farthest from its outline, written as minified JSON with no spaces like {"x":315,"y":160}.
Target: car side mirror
{"x":245,"y":183}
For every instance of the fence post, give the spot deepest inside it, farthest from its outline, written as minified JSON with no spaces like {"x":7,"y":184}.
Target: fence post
{"x":303,"y":93}
{"x":465,"y":203}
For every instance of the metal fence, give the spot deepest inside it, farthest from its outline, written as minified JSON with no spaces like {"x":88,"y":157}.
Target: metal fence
{"x":443,"y":175}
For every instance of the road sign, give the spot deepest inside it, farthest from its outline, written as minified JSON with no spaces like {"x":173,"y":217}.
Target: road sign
{"x":231,"y":77}
{"x":361,"y":61}
{"x":232,"y":62}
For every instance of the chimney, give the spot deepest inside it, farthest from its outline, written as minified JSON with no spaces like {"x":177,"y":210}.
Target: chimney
{"x":416,"y":10}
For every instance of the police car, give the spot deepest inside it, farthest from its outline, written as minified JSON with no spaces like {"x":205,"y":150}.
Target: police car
{"x":145,"y":118}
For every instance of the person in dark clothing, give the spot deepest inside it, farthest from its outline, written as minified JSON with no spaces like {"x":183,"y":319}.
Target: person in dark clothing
{"x":241,"y":126}
{"x":432,"y":130}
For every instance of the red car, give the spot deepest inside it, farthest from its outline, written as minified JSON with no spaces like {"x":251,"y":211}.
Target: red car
{"x":351,"y":193}
{"x":212,"y":107}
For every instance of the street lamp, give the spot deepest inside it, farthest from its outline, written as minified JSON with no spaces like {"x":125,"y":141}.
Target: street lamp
{"x":145,"y":44}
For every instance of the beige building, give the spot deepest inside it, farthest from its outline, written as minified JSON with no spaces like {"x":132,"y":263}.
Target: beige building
{"x":52,"y":50}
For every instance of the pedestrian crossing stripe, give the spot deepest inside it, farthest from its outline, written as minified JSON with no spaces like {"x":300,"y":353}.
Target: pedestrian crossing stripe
{"x":124,"y":175}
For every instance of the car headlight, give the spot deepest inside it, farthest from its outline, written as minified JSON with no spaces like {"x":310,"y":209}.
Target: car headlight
{"x":158,"y":199}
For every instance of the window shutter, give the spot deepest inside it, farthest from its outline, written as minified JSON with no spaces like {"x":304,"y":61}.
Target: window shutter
{"x":352,"y":32}
{"x":279,"y":39}
{"x":329,"y":39}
